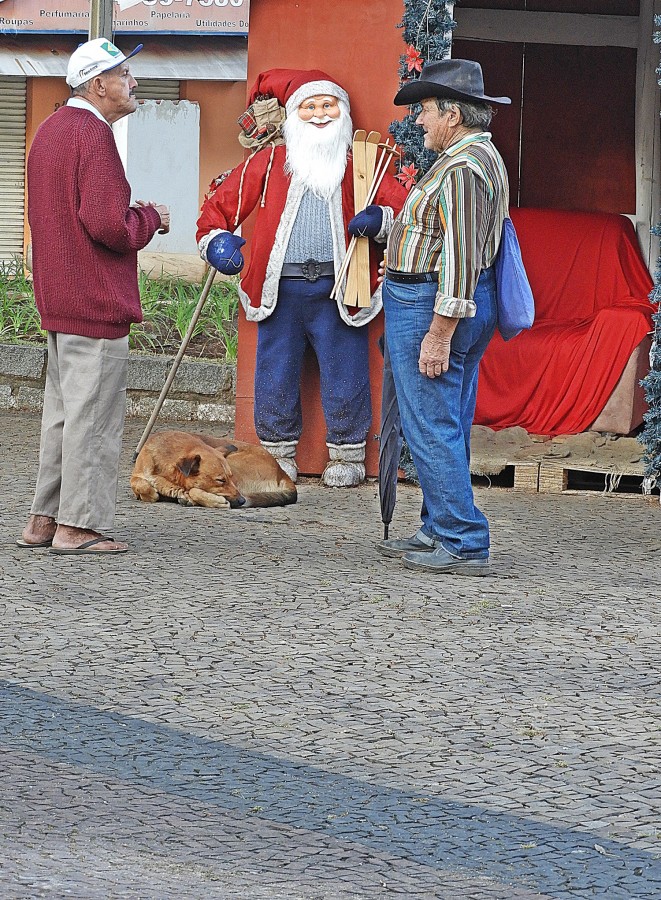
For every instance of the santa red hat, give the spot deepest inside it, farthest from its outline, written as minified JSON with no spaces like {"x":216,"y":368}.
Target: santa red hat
{"x":292,"y":86}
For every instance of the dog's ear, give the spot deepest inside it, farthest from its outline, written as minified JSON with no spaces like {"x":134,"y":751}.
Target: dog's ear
{"x":229,"y":448}
{"x":189,"y":465}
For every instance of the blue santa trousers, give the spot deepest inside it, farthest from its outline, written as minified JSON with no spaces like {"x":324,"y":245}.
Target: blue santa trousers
{"x":306,"y":316}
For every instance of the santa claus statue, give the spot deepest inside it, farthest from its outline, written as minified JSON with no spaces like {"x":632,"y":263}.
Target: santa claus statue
{"x":300,"y":178}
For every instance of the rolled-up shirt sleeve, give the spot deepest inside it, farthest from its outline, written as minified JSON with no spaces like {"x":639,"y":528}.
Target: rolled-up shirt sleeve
{"x":463,"y":206}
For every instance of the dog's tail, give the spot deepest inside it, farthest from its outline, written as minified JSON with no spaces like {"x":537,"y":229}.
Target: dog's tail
{"x":280,"y":497}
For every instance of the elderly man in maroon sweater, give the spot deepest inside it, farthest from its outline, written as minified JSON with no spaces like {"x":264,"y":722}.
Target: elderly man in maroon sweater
{"x":85,"y":239}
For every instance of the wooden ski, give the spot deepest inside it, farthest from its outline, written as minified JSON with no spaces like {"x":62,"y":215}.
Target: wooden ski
{"x":357,"y":291}
{"x":359,"y":197}
{"x":384,"y":158}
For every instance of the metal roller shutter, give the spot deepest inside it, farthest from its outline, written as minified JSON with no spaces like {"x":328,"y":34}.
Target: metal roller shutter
{"x":157,"y":89}
{"x":12,"y":166}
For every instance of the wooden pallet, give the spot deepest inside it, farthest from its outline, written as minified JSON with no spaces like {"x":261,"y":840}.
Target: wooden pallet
{"x":554,"y":478}
{"x":526,"y":476}
{"x":517,"y":476}
{"x":541,"y":476}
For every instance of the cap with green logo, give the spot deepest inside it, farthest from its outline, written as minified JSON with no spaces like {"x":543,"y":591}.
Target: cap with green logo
{"x":93,"y":58}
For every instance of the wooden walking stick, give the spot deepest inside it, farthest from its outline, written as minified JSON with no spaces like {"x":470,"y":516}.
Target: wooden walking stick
{"x":177,"y":360}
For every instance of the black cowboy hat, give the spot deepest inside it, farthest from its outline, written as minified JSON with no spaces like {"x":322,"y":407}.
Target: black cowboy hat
{"x":452,"y":79}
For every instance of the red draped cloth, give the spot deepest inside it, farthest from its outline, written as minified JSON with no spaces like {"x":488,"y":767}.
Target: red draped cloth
{"x":591,"y":289}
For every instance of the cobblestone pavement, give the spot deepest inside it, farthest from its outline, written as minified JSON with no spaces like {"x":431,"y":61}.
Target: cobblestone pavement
{"x":255,"y":704}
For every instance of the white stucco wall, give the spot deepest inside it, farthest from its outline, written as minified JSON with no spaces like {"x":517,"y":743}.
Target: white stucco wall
{"x":160,"y":148}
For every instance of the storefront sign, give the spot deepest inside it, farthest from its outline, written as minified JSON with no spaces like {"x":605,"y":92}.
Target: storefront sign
{"x":141,"y":17}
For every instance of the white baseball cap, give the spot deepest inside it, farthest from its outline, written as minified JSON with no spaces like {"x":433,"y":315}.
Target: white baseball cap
{"x":94,"y":57}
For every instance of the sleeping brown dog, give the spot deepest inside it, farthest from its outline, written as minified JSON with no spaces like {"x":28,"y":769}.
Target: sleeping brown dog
{"x":198,"y":470}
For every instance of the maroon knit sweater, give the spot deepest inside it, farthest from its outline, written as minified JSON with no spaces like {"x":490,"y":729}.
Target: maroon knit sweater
{"x":85,"y":237}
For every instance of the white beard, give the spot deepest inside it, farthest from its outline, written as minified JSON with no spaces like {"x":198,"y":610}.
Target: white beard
{"x":317,"y":157}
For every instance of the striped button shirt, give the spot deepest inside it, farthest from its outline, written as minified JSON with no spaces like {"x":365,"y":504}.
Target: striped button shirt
{"x":452,"y":221}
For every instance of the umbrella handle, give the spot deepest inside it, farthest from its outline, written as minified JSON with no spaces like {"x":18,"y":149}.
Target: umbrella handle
{"x":386,"y":531}
{"x":175,"y":364}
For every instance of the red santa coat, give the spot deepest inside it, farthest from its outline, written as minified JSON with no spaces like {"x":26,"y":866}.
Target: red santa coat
{"x":262,"y":181}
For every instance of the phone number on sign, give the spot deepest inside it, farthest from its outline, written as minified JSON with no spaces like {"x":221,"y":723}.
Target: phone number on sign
{"x":190,"y":2}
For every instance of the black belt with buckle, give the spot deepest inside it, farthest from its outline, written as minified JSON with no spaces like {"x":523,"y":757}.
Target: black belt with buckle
{"x":411,"y":277}
{"x":311,"y":270}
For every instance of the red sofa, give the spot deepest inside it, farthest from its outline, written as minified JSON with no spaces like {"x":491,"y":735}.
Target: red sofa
{"x":579,"y":366}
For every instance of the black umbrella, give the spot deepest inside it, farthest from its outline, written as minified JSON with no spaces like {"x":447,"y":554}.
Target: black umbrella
{"x":390,"y":442}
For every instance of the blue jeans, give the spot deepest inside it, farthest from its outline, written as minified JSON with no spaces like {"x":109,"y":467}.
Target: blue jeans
{"x":437,"y":413}
{"x":305,"y":315}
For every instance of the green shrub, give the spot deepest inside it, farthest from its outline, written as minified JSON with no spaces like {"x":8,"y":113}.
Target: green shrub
{"x":168,"y":306}
{"x":19,"y":319}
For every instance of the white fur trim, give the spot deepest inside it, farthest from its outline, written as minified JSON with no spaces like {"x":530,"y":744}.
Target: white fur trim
{"x":367,"y":313}
{"x":271,"y":283}
{"x":315,"y":89}
{"x":282,"y":449}
{"x":276,"y":259}
{"x":203,"y":243}
{"x":348,"y":453}
{"x":253,"y":313}
{"x":280,"y":242}
{"x":284,"y":453}
{"x":386,"y":224}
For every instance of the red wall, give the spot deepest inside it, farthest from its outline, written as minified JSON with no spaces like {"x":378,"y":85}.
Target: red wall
{"x":358,"y":44}
{"x":562,"y":155}
{"x":221,"y":102}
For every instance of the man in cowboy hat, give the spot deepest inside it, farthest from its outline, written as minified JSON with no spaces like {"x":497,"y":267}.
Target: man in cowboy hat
{"x":300,"y":180}
{"x":440,"y":309}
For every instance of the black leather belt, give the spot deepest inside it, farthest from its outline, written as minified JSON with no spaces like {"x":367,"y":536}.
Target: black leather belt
{"x":311,"y":270}
{"x":411,"y":277}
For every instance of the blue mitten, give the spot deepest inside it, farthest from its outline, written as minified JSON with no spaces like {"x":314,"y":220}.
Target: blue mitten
{"x":223,"y":252}
{"x":366,"y":223}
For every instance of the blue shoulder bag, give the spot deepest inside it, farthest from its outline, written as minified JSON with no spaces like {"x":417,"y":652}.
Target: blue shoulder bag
{"x":514,"y":299}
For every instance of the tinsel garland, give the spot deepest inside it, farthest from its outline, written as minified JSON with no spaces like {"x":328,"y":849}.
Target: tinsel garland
{"x":651,"y":435}
{"x":427,"y":27}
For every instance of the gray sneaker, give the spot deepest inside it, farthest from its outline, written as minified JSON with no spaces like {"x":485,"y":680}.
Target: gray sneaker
{"x":440,"y":562}
{"x":395,"y":547}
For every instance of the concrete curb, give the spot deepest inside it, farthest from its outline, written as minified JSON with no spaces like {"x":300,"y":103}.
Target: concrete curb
{"x":203,"y":390}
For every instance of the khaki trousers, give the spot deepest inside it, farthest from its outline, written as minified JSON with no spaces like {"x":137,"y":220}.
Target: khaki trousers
{"x":81,"y":430}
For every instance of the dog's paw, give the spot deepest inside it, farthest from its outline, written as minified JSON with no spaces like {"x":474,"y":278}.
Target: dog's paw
{"x":211,"y":501}
{"x":185,"y":501}
{"x":143,"y":490}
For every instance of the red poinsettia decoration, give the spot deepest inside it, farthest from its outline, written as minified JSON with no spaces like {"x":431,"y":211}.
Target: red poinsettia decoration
{"x":407,"y":175}
{"x":413,"y":59}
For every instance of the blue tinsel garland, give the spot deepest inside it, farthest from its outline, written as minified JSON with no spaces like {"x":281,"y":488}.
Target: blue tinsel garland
{"x":651,"y":436}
